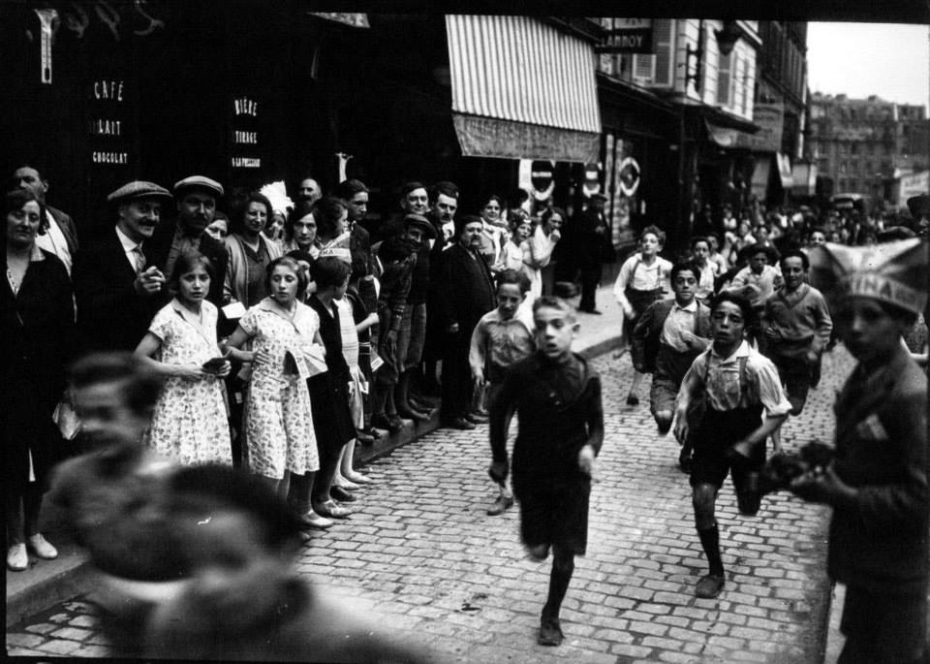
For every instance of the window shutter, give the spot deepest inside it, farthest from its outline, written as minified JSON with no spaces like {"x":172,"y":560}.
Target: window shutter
{"x":663,"y":36}
{"x":644,"y":67}
{"x":723,"y":79}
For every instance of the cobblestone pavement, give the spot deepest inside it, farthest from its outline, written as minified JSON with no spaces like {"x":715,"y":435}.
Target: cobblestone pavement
{"x":423,"y":560}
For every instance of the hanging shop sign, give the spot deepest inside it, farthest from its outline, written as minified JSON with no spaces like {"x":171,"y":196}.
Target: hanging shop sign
{"x":770,"y":119}
{"x":542,"y":177}
{"x":592,"y":180}
{"x":627,"y":35}
{"x":244,"y":135}
{"x":628,"y":176}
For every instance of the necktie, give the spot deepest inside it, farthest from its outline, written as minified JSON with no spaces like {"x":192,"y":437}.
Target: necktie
{"x":139,"y":258}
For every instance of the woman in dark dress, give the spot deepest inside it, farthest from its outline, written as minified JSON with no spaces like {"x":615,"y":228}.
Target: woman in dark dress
{"x":37,"y":311}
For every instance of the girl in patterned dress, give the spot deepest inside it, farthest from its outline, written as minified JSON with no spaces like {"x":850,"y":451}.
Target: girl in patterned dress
{"x":278,"y":424}
{"x":190,"y":422}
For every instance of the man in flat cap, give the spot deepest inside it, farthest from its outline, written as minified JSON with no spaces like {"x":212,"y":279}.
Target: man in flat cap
{"x":465,"y":279}
{"x":118,"y":286}
{"x":196,"y":198}
{"x":877,"y":483}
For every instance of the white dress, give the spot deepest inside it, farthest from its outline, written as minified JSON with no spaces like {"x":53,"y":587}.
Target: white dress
{"x":189,"y":423}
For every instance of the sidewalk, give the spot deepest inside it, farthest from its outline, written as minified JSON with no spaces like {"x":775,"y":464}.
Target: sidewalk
{"x":48,"y":582}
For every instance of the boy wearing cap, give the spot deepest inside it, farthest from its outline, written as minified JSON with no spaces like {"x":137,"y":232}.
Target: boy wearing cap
{"x":877,"y":484}
{"x":738,"y":385}
{"x":117,"y":284}
{"x":557,"y":398}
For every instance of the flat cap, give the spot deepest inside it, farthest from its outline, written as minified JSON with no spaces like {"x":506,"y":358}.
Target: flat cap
{"x":892,"y":272}
{"x":421,"y":222}
{"x":198,"y":182}
{"x":138,"y":189}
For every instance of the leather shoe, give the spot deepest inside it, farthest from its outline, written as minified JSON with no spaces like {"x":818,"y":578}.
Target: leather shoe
{"x":332,"y":509}
{"x":41,"y":547}
{"x":411,"y":414}
{"x":340,"y":494}
{"x":364,"y":438}
{"x":550,"y":633}
{"x":460,"y":423}
{"x":390,"y":423}
{"x":500,"y":505}
{"x":475,"y":418}
{"x":632,"y":400}
{"x":314,"y":520}
{"x":17,"y":559}
{"x":709,"y":586}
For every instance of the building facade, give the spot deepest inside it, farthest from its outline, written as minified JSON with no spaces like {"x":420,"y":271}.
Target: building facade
{"x":867,"y":145}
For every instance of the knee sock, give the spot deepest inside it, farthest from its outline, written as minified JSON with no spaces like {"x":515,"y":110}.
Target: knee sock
{"x":559,"y":579}
{"x":710,"y":540}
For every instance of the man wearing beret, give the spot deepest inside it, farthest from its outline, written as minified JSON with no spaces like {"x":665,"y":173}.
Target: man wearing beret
{"x":196,"y":198}
{"x":465,"y":279}
{"x":877,"y":482}
{"x":118,"y":286}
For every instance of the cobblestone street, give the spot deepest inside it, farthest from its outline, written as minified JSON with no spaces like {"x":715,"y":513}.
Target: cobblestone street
{"x":422,"y":560}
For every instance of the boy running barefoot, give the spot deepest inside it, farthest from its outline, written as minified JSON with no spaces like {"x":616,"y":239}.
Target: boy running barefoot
{"x":557,"y":397}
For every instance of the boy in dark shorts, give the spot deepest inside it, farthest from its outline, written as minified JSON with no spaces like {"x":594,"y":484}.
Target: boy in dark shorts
{"x":666,"y":339}
{"x":557,"y":398}
{"x":738,"y":385}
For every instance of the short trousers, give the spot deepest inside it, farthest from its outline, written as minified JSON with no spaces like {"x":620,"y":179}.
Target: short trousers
{"x":797,"y":377}
{"x":883,"y":628}
{"x":715,"y":434}
{"x":554,"y":511}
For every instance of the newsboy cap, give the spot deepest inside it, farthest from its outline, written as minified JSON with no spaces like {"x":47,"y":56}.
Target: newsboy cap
{"x":198,"y":182}
{"x":893,"y":272}
{"x":421,"y":222}
{"x":137,"y":189}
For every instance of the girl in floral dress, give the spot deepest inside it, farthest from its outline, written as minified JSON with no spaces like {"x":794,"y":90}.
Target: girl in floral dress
{"x":190,"y":422}
{"x":278,"y":423}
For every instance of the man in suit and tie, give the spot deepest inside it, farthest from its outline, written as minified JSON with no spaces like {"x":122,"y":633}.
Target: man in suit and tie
{"x":60,"y":237}
{"x":196,"y":198}
{"x":118,"y":286}
{"x":465,"y":279}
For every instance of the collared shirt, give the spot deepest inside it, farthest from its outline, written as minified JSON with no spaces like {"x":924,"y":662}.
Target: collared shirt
{"x":763,"y":283}
{"x":54,"y":242}
{"x":180,"y":243}
{"x":133,"y":251}
{"x":680,"y":320}
{"x":705,"y":286}
{"x":721,"y":381}
{"x":637,"y":275}
{"x":500,"y":343}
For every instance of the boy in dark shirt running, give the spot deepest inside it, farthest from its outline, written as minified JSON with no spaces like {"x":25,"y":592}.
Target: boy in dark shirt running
{"x":557,"y":398}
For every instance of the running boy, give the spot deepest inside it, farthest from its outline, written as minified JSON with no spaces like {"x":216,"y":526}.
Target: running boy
{"x":557,"y":397}
{"x":737,"y":384}
{"x":666,"y":339}
{"x":502,"y":337}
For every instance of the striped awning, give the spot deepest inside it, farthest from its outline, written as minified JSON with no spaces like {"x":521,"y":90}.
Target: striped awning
{"x":521,"y":85}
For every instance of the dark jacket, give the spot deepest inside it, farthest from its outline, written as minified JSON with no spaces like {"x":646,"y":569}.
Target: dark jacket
{"x":111,"y":314}
{"x":589,"y":245}
{"x":467,"y":292}
{"x":68,"y":229}
{"x":37,"y":331}
{"x":159,"y":246}
{"x":880,"y":544}
{"x":551,"y":431}
{"x":648,"y":332}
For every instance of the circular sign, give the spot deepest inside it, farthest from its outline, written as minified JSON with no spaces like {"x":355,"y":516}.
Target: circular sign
{"x":629,"y":176}
{"x":542,"y":176}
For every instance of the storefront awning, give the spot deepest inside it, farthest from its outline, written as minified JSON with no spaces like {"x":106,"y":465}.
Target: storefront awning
{"x":725,"y":137}
{"x":522,"y":89}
